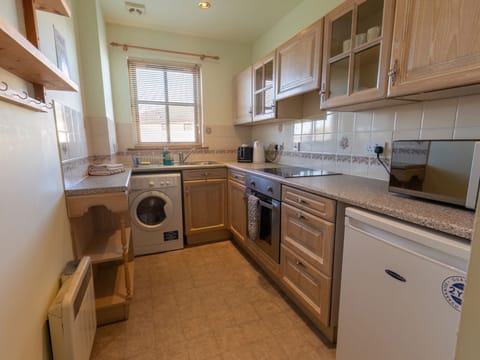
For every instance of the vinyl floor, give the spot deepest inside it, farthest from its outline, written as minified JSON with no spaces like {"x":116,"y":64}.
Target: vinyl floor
{"x":207,"y":302}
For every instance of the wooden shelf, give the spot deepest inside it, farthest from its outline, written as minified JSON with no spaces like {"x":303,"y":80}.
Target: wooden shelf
{"x":107,"y":246}
{"x":111,"y":299}
{"x":58,"y":7}
{"x":20,"y":57}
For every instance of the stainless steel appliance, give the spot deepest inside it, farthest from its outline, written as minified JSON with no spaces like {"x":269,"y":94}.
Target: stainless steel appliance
{"x":442,"y":170}
{"x":245,"y":154}
{"x":269,"y":194}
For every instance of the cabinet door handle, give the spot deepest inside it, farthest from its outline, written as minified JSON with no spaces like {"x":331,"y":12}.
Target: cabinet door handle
{"x":393,"y":72}
{"x":300,"y":216}
{"x":299,"y":263}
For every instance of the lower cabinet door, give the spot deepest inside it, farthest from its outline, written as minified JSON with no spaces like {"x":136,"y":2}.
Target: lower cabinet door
{"x":205,"y":205}
{"x":309,"y":286}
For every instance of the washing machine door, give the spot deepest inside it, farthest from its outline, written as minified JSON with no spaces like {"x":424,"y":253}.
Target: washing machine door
{"x":152,"y":210}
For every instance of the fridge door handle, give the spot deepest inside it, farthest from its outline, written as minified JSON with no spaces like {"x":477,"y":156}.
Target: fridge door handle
{"x":395,"y":275}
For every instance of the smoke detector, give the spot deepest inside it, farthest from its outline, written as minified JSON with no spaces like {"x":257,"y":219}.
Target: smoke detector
{"x":134,"y":8}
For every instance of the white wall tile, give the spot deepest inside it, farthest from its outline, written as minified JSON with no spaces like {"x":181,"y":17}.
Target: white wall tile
{"x":363,"y":121}
{"x":467,"y":133}
{"x":345,"y":122}
{"x":406,"y":134}
{"x":331,"y":123}
{"x":436,"y":134}
{"x":468,"y":112}
{"x":439,"y":114}
{"x":383,"y":120}
{"x":330,"y":143}
{"x":360,"y":141}
{"x":409,"y":117}
{"x":344,"y":143}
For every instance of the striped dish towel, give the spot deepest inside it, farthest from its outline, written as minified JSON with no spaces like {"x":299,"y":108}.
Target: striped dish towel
{"x":253,"y":217}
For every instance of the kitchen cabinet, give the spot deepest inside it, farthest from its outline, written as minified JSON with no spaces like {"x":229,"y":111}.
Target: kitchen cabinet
{"x":99,"y":224}
{"x":307,"y":252}
{"x":298,"y":62}
{"x":237,"y":206}
{"x":435,"y":46}
{"x":264,"y":88}
{"x":205,"y":204}
{"x":242,"y":85}
{"x":356,"y":52}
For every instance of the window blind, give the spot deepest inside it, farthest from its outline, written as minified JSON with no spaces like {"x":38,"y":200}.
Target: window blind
{"x":166,"y":102}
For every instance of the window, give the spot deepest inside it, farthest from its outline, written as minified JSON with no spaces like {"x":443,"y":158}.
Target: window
{"x":166,"y":103}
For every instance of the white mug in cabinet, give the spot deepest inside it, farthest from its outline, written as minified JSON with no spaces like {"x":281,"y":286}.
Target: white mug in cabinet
{"x":360,"y":39}
{"x":373,"y":33}
{"x":347,"y":45}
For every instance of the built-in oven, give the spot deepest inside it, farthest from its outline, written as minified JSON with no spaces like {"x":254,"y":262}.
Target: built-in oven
{"x":264,"y":214}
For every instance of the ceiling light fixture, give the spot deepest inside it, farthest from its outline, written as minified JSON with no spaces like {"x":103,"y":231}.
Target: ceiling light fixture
{"x":204,"y":5}
{"x":134,"y":8}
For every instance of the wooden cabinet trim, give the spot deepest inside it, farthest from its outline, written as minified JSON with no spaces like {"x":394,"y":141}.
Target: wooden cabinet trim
{"x":314,"y":35}
{"x":367,"y":95}
{"x":315,"y":204}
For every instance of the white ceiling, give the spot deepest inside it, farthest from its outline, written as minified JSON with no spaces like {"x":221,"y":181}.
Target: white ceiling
{"x":232,"y":20}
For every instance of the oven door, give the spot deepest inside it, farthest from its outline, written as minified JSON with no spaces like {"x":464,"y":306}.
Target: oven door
{"x":269,"y":228}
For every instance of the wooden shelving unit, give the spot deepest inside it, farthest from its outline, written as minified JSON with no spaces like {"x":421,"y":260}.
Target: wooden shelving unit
{"x":20,"y":57}
{"x":100,"y":230}
{"x":111,"y":294}
{"x":107,"y":246}
{"x":58,"y":7}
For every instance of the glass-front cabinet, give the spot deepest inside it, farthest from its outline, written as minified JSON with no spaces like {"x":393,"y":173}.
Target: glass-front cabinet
{"x":264,"y":88}
{"x":356,"y":52}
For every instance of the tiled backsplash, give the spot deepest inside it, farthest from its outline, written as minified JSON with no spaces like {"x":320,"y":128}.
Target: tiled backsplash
{"x":338,"y":142}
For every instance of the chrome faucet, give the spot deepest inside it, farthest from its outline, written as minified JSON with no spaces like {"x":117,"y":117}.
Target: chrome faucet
{"x":182,"y":157}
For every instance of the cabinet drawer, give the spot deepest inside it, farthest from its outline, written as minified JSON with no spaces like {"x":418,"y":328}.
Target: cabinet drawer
{"x":310,"y":236}
{"x":315,"y":204}
{"x":205,"y":173}
{"x":310,"y":287}
{"x":237,"y":176}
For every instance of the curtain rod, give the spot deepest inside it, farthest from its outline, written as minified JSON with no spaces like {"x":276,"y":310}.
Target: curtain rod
{"x":201,"y":56}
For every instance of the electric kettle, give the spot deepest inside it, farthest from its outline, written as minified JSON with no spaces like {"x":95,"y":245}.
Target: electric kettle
{"x":258,"y":152}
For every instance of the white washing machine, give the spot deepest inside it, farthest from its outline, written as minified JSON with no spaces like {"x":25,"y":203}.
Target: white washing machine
{"x":155,"y":203}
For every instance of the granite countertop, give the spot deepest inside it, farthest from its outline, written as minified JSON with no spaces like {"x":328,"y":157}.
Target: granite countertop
{"x":373,"y":195}
{"x":358,"y":191}
{"x":100,"y":184}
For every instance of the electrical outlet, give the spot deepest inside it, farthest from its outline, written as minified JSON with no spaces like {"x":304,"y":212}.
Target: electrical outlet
{"x":296,"y":146}
{"x":371,"y":147}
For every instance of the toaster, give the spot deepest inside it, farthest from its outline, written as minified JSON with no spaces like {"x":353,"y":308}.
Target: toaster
{"x":245,"y":154}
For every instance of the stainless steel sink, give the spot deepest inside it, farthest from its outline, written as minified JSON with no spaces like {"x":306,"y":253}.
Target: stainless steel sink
{"x":200,"y":163}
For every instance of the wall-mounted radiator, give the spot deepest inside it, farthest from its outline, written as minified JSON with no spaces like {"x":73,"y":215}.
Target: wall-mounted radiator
{"x":72,"y":315}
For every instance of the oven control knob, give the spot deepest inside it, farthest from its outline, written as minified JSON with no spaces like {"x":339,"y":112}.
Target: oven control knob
{"x":270,"y":189}
{"x":151,"y":184}
{"x":253,"y":183}
{"x":162,"y":183}
{"x":167,"y":182}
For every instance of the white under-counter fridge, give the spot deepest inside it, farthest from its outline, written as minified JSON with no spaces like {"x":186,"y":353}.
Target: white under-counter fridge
{"x":401,"y":290}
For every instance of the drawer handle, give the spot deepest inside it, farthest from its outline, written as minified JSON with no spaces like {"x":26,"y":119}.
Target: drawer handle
{"x":395,"y":275}
{"x":205,"y":173}
{"x":301,"y":201}
{"x":300,"y":216}
{"x":299,"y":263}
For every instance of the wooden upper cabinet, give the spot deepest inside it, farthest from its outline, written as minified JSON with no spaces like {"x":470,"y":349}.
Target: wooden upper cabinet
{"x":356,"y":52}
{"x":299,"y":61}
{"x":242,"y":85}
{"x":436,"y":45}
{"x":264,"y":88}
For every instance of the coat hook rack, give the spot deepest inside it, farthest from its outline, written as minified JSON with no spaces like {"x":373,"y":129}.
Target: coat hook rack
{"x":22,"y":99}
